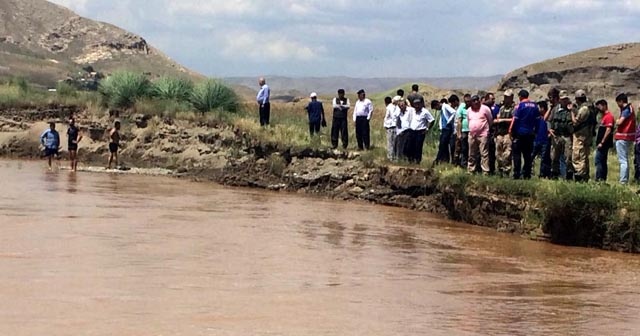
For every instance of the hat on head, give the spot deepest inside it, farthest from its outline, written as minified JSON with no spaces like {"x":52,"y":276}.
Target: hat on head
{"x":564,"y":94}
{"x":361,"y":91}
{"x":396,"y":99}
{"x":581,"y":94}
{"x":508,"y":93}
{"x":313,"y":95}
{"x":340,"y":90}
{"x":417,"y":101}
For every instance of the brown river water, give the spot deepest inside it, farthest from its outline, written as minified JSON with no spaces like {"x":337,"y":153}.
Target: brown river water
{"x":102,"y":254}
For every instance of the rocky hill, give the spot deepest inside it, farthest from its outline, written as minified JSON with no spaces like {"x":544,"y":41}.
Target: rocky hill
{"x":603,"y":72}
{"x":45,"y":42}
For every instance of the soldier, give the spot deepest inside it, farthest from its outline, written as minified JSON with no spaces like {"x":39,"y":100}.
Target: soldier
{"x":583,"y":118}
{"x":560,"y":127}
{"x":503,"y":139}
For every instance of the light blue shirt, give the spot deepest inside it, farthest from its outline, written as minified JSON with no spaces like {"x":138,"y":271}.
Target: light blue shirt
{"x":446,"y":116}
{"x":50,"y":139}
{"x":263,"y":95}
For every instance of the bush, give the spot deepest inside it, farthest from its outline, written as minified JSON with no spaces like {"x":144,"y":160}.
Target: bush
{"x":21,"y":83}
{"x":169,"y":88}
{"x":160,"y":107}
{"x":65,"y":89}
{"x":123,"y":89}
{"x":212,"y":95}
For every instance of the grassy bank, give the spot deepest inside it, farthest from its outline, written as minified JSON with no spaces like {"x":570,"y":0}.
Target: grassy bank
{"x":588,"y":214}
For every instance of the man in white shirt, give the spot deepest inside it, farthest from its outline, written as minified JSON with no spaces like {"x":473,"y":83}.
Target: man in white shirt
{"x":421,"y":122}
{"x":390,"y":123}
{"x":361,"y":116}
{"x":447,"y":116}
{"x":403,"y":128}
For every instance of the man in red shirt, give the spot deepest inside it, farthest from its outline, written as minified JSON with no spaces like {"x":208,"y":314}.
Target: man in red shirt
{"x":604,"y":140}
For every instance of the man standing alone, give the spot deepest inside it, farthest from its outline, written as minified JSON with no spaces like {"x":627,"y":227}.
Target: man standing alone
{"x":523,"y":130}
{"x":339,"y":127}
{"x":263,"y":102}
{"x":361,"y":116}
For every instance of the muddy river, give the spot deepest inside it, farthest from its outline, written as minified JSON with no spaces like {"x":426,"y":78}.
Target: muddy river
{"x":101,"y":254}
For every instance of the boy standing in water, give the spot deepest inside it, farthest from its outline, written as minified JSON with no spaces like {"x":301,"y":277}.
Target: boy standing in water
{"x":114,"y":143}
{"x":74,"y":137}
{"x":50,"y":139}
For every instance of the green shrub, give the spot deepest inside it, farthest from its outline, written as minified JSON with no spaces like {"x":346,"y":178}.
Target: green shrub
{"x":21,"y":83}
{"x":277,"y":164}
{"x":170,"y":88}
{"x":212,"y":95}
{"x":64,"y":89}
{"x":123,"y":89}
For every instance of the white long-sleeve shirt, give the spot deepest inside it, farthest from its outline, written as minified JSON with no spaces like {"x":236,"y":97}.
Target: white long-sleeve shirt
{"x":404,"y":120}
{"x":391,"y":116}
{"x":363,"y":108}
{"x":336,"y":105}
{"x":447,"y":114}
{"x":421,"y":119}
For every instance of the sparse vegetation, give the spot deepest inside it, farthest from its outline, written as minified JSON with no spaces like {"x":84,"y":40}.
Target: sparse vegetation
{"x":122,"y":89}
{"x":213,"y":95}
{"x":171,"y":88}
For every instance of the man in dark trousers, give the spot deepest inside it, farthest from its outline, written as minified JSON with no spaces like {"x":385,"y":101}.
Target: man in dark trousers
{"x":339,"y":126}
{"x":264,"y":106}
{"x":316,"y":115}
{"x":525,"y":122}
{"x":362,"y":113}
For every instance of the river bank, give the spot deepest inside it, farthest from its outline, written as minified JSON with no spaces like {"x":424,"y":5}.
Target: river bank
{"x":210,"y":148}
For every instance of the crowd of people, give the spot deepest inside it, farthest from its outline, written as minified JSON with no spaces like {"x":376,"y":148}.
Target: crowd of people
{"x":485,"y":137}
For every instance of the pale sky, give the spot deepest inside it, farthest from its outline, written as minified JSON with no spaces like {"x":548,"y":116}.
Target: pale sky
{"x":375,"y":38}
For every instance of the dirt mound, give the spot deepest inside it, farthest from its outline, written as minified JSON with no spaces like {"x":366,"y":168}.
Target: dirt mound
{"x":602,"y":72}
{"x":44,"y":42}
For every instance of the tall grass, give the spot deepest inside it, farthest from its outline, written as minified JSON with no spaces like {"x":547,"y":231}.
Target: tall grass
{"x":170,"y":88}
{"x":123,"y":89}
{"x":213,"y":95}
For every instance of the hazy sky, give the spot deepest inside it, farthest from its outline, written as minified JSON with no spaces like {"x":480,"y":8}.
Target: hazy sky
{"x":374,"y":38}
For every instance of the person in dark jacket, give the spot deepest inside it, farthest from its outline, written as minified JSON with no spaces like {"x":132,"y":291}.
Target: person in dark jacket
{"x":339,"y":126}
{"x":316,"y":115}
{"x":526,"y":119}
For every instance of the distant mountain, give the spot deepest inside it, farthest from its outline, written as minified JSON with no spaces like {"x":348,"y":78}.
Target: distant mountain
{"x":45,"y":42}
{"x":329,"y":85}
{"x":603,"y":72}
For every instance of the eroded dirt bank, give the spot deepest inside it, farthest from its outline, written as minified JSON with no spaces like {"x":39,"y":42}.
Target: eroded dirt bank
{"x":213,"y":151}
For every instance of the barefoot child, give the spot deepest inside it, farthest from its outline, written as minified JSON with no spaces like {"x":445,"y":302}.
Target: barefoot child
{"x":50,"y":139}
{"x":114,"y":143}
{"x":74,"y":137}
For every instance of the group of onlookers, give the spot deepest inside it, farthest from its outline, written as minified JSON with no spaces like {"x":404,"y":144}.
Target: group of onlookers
{"x":495,"y":139}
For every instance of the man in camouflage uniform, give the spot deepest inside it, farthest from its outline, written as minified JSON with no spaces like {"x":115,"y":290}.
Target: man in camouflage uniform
{"x":582,"y":136}
{"x":560,"y":125}
{"x":503,"y":139}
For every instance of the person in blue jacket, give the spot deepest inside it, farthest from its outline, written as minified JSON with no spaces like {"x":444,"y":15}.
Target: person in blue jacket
{"x":50,"y":139}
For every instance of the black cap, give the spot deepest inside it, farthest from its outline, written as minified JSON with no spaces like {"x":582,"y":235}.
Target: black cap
{"x":523,"y":94}
{"x":341,"y":91}
{"x":361,"y":91}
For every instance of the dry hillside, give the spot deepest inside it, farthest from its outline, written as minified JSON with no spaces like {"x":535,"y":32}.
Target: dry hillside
{"x":602,"y":72}
{"x":45,"y":42}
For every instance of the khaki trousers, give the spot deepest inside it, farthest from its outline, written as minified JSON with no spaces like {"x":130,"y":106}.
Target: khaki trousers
{"x":561,"y":145}
{"x":581,"y":149}
{"x":478,"y":147}
{"x":503,"y":153}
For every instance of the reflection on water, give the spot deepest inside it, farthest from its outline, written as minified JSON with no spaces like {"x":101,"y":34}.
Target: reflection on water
{"x":129,"y":255}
